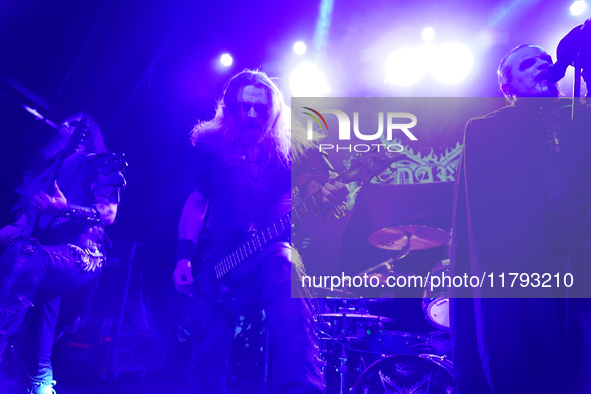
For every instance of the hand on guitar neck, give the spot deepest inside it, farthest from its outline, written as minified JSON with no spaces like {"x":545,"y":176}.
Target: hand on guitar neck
{"x":333,"y":191}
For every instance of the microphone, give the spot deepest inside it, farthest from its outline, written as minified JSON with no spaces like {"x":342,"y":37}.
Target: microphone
{"x":557,"y":71}
{"x":575,"y":42}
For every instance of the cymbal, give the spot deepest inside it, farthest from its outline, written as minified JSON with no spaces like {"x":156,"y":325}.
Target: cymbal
{"x":327,"y":292}
{"x":421,"y":237}
{"x":359,"y":316}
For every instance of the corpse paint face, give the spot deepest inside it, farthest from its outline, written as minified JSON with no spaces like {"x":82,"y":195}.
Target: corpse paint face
{"x":528,"y":67}
{"x":254,"y":107}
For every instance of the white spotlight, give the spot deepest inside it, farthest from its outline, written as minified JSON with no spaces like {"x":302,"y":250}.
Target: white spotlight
{"x":299,"y":48}
{"x":451,"y":63}
{"x":406,"y":66}
{"x":308,"y":81}
{"x":428,"y":34}
{"x":226,"y":60}
{"x":578,"y":7}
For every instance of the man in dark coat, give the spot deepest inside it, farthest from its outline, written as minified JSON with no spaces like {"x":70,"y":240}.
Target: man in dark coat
{"x":522,"y":205}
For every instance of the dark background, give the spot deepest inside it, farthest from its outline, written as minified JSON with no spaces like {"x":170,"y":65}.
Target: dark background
{"x":148,"y":70}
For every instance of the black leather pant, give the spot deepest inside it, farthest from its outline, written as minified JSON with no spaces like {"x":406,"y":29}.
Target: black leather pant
{"x":293,"y":354}
{"x":34,"y":278}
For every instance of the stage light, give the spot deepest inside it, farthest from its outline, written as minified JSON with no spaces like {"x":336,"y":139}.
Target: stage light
{"x":578,"y":7}
{"x":308,"y":81}
{"x":226,"y":60}
{"x":406,"y":66}
{"x":428,"y":34}
{"x":451,"y":63}
{"x":299,"y":48}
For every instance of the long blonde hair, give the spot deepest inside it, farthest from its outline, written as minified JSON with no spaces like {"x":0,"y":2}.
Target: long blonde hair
{"x":285,"y":142}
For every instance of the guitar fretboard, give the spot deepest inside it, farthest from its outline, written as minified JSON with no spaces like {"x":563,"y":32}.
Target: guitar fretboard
{"x":365,"y":169}
{"x":262,"y":238}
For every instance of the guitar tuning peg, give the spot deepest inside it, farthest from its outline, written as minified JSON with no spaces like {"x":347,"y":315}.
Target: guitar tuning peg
{"x":360,"y":155}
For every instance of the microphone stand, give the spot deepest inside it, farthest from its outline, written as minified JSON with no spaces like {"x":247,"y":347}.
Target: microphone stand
{"x":575,"y":114}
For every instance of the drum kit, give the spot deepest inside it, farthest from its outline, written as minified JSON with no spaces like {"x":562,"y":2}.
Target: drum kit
{"x":362,"y":357}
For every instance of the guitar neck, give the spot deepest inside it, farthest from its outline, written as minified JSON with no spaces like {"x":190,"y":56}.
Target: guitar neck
{"x":262,"y":238}
{"x":72,"y":146}
{"x":361,"y":171}
{"x":48,"y":188}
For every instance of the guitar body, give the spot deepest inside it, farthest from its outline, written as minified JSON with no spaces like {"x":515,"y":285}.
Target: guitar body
{"x":195,"y":310}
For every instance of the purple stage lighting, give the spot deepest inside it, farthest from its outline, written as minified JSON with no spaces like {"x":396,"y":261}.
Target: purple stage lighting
{"x":226,"y":60}
{"x":406,"y":66}
{"x":451,"y":63}
{"x":578,"y":7}
{"x":308,"y":81}
{"x":299,"y":48}
{"x":428,"y":34}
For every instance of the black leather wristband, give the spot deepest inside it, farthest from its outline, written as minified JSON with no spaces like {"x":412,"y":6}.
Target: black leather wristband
{"x":185,"y":249}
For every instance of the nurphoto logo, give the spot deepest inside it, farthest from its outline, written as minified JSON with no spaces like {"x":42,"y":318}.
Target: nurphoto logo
{"x":345,"y":129}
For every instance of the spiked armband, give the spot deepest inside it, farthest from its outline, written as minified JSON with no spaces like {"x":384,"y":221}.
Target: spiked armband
{"x":84,"y":215}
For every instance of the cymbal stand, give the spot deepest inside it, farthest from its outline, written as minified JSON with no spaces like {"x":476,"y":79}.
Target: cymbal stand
{"x":405,"y":251}
{"x":342,"y":369}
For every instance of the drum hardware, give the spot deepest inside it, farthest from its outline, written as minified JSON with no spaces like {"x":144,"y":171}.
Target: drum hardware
{"x":436,"y":302}
{"x":340,"y":323}
{"x":383,"y":271}
{"x":386,"y":265}
{"x":343,"y":357}
{"x":327,"y":292}
{"x":357,"y":316}
{"x":387,"y":342}
{"x":409,"y":237}
{"x":406,"y":374}
{"x":442,"y":361}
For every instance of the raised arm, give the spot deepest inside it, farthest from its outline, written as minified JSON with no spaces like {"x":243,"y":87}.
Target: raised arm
{"x":103,"y":176}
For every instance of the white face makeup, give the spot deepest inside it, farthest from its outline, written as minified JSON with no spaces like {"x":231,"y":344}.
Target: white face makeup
{"x":528,"y":67}
{"x":254,"y":106}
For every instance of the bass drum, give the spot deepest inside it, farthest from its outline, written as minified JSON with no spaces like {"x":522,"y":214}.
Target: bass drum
{"x":407,"y":374}
{"x":436,"y":301}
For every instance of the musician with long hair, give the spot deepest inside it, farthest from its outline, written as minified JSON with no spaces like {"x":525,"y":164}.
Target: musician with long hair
{"x":242,"y":175}
{"x":57,"y":243}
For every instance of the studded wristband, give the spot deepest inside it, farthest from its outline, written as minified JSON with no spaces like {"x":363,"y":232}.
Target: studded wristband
{"x":85,"y":215}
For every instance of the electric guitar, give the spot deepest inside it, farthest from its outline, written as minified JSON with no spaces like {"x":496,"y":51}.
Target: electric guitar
{"x":209,"y":286}
{"x":23,"y":260}
{"x":77,"y":138}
